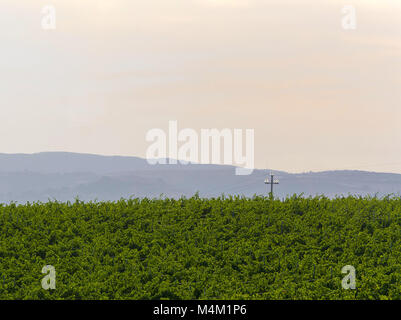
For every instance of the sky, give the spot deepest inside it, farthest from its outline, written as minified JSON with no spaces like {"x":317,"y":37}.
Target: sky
{"x":318,"y":97}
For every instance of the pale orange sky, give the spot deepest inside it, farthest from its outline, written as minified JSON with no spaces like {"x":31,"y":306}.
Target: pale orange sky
{"x":317,"y":96}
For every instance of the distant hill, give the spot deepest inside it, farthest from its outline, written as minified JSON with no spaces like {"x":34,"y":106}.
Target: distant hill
{"x":64,"y":176}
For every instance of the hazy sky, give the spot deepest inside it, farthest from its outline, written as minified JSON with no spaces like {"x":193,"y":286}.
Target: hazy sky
{"x":318,"y":97}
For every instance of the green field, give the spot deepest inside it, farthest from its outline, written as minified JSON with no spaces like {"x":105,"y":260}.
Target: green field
{"x":223,"y":248}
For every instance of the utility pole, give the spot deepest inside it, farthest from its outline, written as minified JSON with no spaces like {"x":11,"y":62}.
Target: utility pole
{"x":271,"y":182}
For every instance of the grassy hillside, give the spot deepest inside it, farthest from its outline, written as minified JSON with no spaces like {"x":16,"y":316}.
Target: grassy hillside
{"x":224,"y":248}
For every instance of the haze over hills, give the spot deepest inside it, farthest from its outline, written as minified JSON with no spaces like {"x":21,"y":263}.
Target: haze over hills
{"x":65,"y":176}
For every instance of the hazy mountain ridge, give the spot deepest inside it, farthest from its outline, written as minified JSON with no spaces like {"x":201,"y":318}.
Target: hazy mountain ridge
{"x":64,"y":176}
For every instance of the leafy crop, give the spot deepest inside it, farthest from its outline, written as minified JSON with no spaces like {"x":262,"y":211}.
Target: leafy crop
{"x":220,"y":248}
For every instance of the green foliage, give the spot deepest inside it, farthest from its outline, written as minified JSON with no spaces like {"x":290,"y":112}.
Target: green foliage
{"x":220,"y":248}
